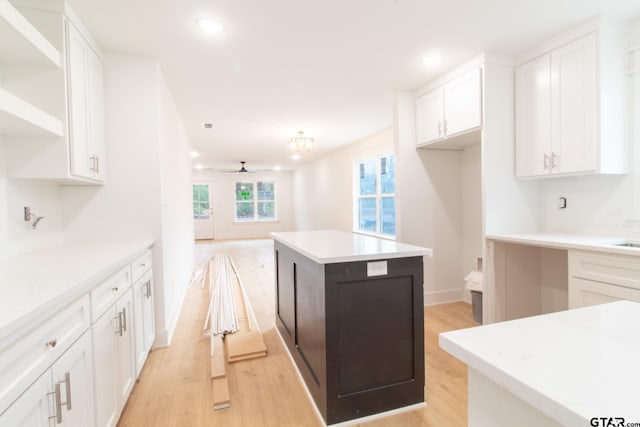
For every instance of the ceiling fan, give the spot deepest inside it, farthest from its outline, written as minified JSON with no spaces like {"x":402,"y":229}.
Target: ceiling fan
{"x":242,"y":169}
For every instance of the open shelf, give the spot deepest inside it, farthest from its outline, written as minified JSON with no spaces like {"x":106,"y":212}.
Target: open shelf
{"x":18,"y":117}
{"x":21,"y":42}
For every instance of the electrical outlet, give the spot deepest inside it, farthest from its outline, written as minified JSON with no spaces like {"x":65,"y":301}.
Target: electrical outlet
{"x":562,"y":203}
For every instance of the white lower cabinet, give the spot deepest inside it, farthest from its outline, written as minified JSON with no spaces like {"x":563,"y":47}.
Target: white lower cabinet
{"x":62,"y":396}
{"x":596,"y":278}
{"x":113,"y":360}
{"x":144,"y":322}
{"x":77,"y":365}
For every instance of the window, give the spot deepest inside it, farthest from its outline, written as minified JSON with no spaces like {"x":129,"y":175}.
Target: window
{"x":200,"y":201}
{"x":255,"y":201}
{"x":375,"y":204}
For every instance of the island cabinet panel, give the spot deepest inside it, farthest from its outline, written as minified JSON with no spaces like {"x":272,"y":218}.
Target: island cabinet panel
{"x":355,"y":334}
{"x":375,"y":338}
{"x":285,"y":297}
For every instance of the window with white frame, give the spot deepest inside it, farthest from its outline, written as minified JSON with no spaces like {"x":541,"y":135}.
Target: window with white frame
{"x":255,"y":201}
{"x":375,"y":202}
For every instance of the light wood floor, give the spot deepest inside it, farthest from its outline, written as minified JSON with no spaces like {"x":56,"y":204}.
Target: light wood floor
{"x":174,"y":388}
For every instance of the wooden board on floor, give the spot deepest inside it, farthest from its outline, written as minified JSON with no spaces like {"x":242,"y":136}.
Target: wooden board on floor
{"x":217,"y":357}
{"x":248,"y":342}
{"x":220,"y":393}
{"x":245,"y":345}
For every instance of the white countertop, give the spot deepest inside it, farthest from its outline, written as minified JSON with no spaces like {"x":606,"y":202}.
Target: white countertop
{"x":568,"y":241}
{"x":331,"y":246}
{"x":39,"y":281}
{"x":571,"y":365}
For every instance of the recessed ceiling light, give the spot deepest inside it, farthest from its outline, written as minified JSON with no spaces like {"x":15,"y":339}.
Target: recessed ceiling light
{"x":194,"y":154}
{"x":295,"y":157}
{"x":198,"y":166}
{"x":276,"y":168}
{"x":207,"y":125}
{"x":210,"y":26}
{"x":431,"y":60}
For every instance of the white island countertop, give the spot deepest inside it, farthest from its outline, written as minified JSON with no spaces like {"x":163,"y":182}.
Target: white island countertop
{"x":571,"y":365}
{"x":37,"y":282}
{"x":331,"y":246}
{"x":569,"y":241}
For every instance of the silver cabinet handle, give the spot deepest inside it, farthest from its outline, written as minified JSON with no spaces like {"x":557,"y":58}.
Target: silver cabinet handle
{"x":119,"y":329}
{"x":554,"y":160}
{"x":58,"y":405}
{"x":98,"y":165}
{"x":445,"y":126}
{"x":124,"y":319}
{"x":147,"y":288}
{"x":67,"y":385}
{"x":93,"y":163}
{"x":439,"y":128}
{"x":546,"y":161}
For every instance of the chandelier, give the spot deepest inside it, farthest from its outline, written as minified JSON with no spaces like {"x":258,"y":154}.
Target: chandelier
{"x":301,"y":142}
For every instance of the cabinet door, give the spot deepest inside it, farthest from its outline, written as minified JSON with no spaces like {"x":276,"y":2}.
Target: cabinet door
{"x":574,"y":106}
{"x":430,"y":117}
{"x":96,"y":114}
{"x":583,"y":293}
{"x":80,"y":151}
{"x":463,"y":103}
{"x":74,"y":374}
{"x":126,"y":373}
{"x":33,"y":408}
{"x":105,"y":331}
{"x":533,"y":118}
{"x":144,"y":327}
{"x":147,"y":314}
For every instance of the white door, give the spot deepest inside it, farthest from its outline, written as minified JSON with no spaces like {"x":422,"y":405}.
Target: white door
{"x":574,"y":115}
{"x":104,"y":356}
{"x":126,"y":370}
{"x":533,"y":118}
{"x":429,"y":117}
{"x":462,"y":103}
{"x":203,"y":210}
{"x":73,"y":373}
{"x":33,"y":408}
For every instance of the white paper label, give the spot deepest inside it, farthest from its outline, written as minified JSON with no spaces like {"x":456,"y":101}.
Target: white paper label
{"x":376,"y":268}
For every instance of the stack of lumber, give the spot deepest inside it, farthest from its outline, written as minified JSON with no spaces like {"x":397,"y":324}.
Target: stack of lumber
{"x":233,"y":330}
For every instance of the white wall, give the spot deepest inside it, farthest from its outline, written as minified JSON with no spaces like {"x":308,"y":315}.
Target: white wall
{"x":429,"y":205}
{"x":148,"y":182}
{"x":176,"y":200}
{"x":472,"y":218}
{"x":225,"y":226}
{"x":323,"y":189}
{"x":16,"y":235}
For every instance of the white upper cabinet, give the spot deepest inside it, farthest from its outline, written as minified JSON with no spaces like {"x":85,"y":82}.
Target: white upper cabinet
{"x":430,"y":116}
{"x":52,"y":114}
{"x":446,"y":114}
{"x":533,"y":120}
{"x":86,"y":130}
{"x":571,"y":109}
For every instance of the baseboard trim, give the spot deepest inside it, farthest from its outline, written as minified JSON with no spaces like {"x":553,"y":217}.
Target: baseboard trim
{"x":441,"y":297}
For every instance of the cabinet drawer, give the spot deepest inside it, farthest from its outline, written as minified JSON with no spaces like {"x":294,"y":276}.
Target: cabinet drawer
{"x":583,"y":293}
{"x":26,"y":356}
{"x":618,"y":270}
{"x":105,"y":294}
{"x":140,"y":265}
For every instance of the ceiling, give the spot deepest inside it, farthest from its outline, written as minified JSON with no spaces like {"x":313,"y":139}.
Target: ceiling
{"x":327,"y":67}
